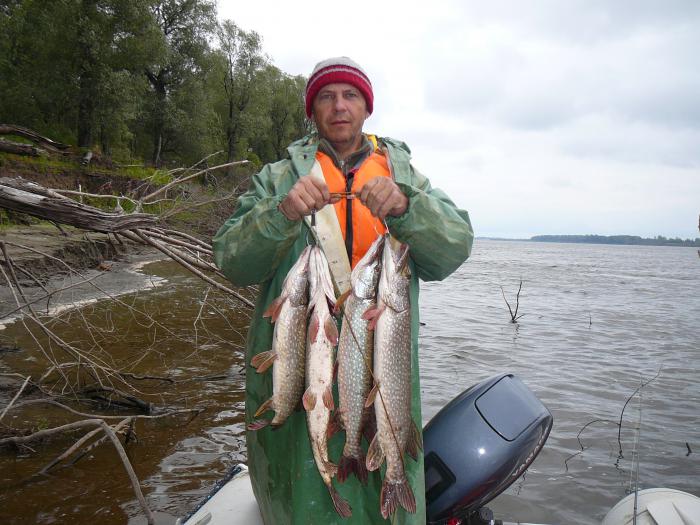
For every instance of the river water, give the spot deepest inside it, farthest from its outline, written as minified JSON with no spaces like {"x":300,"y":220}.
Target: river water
{"x":598,"y":320}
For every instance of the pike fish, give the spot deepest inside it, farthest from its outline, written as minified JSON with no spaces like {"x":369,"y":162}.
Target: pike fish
{"x":289,"y":313}
{"x":318,"y":398}
{"x":355,"y":361}
{"x":391,"y":393}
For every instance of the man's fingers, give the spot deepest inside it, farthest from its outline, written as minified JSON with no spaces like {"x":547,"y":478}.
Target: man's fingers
{"x":307,"y":194}
{"x":383,"y":197}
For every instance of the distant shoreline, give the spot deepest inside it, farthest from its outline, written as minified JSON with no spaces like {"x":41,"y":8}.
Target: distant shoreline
{"x":631,"y":240}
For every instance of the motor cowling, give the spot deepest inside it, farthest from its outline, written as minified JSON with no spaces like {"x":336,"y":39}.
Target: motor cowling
{"x":479,"y":444}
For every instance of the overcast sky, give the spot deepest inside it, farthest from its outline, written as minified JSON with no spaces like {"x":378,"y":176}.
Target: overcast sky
{"x":543,"y":117}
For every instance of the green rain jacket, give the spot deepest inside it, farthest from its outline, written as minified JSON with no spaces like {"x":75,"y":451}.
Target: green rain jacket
{"x":258,"y":245}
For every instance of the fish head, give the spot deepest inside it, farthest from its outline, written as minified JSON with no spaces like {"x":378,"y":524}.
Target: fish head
{"x":296,"y":284}
{"x":320,"y":280}
{"x":395,"y":278}
{"x":365,"y":276}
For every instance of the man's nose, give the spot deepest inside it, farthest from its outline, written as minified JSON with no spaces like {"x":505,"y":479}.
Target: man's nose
{"x":339,"y":104}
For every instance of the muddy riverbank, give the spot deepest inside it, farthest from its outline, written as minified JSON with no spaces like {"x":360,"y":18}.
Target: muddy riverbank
{"x":185,"y":341}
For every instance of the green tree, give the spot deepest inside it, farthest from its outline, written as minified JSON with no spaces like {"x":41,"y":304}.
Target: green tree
{"x":243,"y":59}
{"x":184,"y":27}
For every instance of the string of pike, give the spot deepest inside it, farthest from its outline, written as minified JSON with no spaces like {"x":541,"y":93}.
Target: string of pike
{"x":366,"y":360}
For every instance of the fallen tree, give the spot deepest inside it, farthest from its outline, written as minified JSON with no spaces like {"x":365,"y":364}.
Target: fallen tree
{"x":85,"y":371}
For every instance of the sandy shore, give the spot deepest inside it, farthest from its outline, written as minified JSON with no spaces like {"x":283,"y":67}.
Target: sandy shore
{"x":101,"y":269}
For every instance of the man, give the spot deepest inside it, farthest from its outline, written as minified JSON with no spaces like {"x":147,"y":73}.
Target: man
{"x":269,"y":230}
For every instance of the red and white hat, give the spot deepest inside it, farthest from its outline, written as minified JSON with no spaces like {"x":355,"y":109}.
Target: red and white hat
{"x":338,"y":70}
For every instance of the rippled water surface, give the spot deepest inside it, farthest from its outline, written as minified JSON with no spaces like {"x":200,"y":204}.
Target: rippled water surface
{"x":597,"y":321}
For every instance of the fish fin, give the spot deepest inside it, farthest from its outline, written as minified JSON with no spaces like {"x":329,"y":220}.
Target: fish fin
{"x":415,"y":441}
{"x":372,"y":395}
{"x":394,"y":494}
{"x":369,"y":425}
{"x":267,"y":405}
{"x":309,"y":399}
{"x":341,"y":301}
{"x":328,"y":398}
{"x":351,"y":465}
{"x":335,"y":371}
{"x":375,"y":455}
{"x":331,"y":330}
{"x":332,"y":468}
{"x":334,"y":426}
{"x":273,"y":311}
{"x":257,"y":424}
{"x":262,"y":361}
{"x":372,"y":315}
{"x":313,"y":327}
{"x":341,"y":506}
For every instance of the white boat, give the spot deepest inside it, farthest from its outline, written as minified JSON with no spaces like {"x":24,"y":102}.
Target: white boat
{"x":232,"y":503}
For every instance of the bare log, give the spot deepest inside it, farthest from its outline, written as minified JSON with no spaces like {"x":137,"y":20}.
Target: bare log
{"x":26,"y":197}
{"x":19,"y":148}
{"x":9,"y":129}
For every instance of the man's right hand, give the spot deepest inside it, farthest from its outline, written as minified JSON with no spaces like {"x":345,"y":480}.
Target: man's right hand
{"x":307,"y":195}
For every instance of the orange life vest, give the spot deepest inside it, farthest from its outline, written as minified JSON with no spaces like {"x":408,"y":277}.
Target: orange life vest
{"x":364,"y":228}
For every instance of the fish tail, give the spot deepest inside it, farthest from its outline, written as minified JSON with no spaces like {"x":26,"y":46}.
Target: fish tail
{"x":352,"y":465}
{"x":342,"y":507}
{"x":258,"y":424}
{"x":395,"y":493}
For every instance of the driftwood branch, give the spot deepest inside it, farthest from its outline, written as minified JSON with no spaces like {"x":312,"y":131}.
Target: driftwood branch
{"x":9,"y":129}
{"x":188,"y":251}
{"x":27,"y":197}
{"x":514,"y":314}
{"x":19,"y":393}
{"x":49,"y":432}
{"x":191,"y":176}
{"x":19,"y":148}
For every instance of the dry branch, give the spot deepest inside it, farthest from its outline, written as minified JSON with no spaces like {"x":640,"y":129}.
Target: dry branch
{"x":42,"y":434}
{"x":19,"y":393}
{"x":9,"y":129}
{"x":80,"y":443}
{"x":19,"y":148}
{"x":189,"y":177}
{"x":27,"y":197}
{"x":514,"y":315}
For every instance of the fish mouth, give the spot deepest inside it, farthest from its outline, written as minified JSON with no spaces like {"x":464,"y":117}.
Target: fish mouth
{"x":402,"y":258}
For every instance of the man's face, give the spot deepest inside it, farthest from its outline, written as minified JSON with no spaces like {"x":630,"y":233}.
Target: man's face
{"x":339,"y":111}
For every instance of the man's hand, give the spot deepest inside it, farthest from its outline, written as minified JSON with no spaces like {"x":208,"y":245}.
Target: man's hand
{"x":308,"y":194}
{"x":383,"y":197}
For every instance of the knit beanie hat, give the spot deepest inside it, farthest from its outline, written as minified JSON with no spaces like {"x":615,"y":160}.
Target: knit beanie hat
{"x":338,"y":70}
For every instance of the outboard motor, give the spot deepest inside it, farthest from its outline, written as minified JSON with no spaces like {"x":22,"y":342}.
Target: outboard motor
{"x":478,"y":445}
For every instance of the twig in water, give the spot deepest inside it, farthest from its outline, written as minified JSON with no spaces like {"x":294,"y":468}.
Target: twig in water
{"x":619,"y":430}
{"x":19,"y":392}
{"x":514,"y":315}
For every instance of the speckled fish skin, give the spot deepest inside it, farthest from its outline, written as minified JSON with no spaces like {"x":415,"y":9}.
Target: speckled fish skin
{"x":318,"y":397}
{"x":287,"y":356}
{"x":355,"y":360}
{"x":392,"y":374}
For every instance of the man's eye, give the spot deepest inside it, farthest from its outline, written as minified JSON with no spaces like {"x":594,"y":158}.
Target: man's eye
{"x":326,"y":96}
{"x":351,"y":94}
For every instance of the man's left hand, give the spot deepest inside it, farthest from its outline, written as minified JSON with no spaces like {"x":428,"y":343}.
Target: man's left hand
{"x":383,"y":197}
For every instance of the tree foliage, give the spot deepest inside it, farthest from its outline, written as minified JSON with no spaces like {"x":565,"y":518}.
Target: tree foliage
{"x":159,"y":81}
